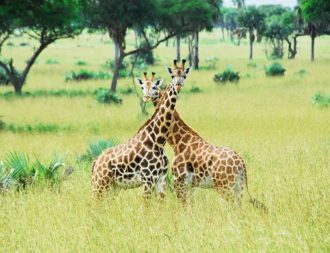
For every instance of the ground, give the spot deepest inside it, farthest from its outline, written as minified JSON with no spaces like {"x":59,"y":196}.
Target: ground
{"x":271,"y":122}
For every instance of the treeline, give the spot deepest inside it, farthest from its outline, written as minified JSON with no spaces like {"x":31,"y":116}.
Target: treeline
{"x":154,"y":22}
{"x":276,"y":24}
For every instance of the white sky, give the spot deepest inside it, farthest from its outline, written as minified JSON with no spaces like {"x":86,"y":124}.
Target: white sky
{"x":289,"y":3}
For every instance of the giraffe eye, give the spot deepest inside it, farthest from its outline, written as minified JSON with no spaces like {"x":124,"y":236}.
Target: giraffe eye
{"x":172,"y":76}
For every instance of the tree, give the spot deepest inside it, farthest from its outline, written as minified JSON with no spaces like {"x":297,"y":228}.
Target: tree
{"x":316,"y":14}
{"x":43,"y":20}
{"x":230,"y":18}
{"x":252,"y":19}
{"x":239,"y":3}
{"x":151,"y":18}
{"x":278,"y":29}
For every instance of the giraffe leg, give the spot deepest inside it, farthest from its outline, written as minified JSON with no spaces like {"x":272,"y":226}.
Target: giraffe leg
{"x":102,"y":182}
{"x":148,"y":186}
{"x":160,"y":186}
{"x":180,"y":188}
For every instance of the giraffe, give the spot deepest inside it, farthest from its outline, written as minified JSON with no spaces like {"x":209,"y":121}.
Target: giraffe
{"x":141,"y":160}
{"x":198,"y":163}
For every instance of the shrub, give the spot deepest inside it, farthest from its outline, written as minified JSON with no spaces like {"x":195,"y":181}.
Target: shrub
{"x":81,"y":63}
{"x":301,"y":73}
{"x":123,"y":71}
{"x":10,"y":44}
{"x":146,"y":56}
{"x":24,"y":44}
{"x":126,"y":91}
{"x":195,"y":89}
{"x":275,"y":69}
{"x":51,"y":61}
{"x":228,"y":75}
{"x":95,"y":149}
{"x":17,"y":171}
{"x":105,"y":96}
{"x":82,"y":75}
{"x":321,"y":100}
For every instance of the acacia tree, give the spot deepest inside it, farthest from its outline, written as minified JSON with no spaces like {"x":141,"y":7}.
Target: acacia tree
{"x":117,"y":17}
{"x":278,"y":29}
{"x":230,"y":18}
{"x":316,"y":14}
{"x":253,"y":20}
{"x":43,"y":20}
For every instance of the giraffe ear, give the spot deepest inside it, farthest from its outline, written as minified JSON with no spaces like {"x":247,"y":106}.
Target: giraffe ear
{"x":169,"y":70}
{"x":158,"y":83}
{"x":138,"y":81}
{"x":187,"y":71}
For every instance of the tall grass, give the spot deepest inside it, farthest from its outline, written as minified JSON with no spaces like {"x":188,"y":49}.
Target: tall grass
{"x":271,"y":122}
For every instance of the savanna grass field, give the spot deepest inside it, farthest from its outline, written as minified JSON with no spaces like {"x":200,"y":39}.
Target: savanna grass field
{"x":271,"y":122}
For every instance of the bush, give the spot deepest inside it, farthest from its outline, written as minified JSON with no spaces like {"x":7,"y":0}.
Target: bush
{"x":251,"y":64}
{"x":51,"y":61}
{"x":146,"y":56}
{"x":126,"y":91}
{"x":81,"y":63}
{"x":105,"y":96}
{"x":95,"y":149}
{"x":195,"y":89}
{"x":83,"y":75}
{"x":228,"y":75}
{"x":321,"y":100}
{"x":301,"y":73}
{"x":17,"y":171}
{"x":275,"y":69}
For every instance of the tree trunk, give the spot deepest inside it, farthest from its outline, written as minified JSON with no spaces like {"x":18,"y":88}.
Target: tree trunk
{"x":178,"y":47}
{"x":119,"y":57}
{"x":251,"y":44}
{"x":313,"y":35}
{"x":196,"y":56}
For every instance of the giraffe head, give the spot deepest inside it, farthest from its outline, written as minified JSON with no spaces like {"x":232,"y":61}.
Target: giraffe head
{"x":150,"y":88}
{"x":178,"y":73}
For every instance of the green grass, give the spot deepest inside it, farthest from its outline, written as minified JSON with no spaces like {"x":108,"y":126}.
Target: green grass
{"x":271,"y":122}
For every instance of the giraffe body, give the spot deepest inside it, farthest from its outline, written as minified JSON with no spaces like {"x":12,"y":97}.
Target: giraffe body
{"x":196,"y":162}
{"x":141,"y":160}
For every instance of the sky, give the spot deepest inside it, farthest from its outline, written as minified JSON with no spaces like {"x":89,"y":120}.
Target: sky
{"x":289,"y":3}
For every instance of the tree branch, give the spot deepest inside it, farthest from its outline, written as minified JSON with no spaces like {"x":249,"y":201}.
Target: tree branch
{"x":151,"y":47}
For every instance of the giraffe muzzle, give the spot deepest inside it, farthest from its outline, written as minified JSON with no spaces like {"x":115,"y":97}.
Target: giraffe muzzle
{"x":146,"y":99}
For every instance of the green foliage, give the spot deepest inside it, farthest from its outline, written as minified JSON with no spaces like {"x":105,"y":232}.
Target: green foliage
{"x":317,"y":12}
{"x":195,"y":89}
{"x":275,"y":69}
{"x":51,"y":61}
{"x":230,"y":18}
{"x":83,"y":75}
{"x":81,"y":63}
{"x":126,"y":91}
{"x":123,"y":71}
{"x":251,"y":18}
{"x":228,"y":75}
{"x":321,"y":100}
{"x":18,"y":171}
{"x":105,"y":96}
{"x":301,"y":73}
{"x":146,"y":56}
{"x":95,"y":149}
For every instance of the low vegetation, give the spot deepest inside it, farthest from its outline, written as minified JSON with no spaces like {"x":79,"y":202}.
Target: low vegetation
{"x":95,"y":149}
{"x":83,"y":75}
{"x":275,"y":69}
{"x":105,"y":96}
{"x":228,"y":75}
{"x":321,"y":100}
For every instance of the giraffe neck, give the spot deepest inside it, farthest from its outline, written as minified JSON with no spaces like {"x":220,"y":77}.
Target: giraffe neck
{"x":179,"y":128}
{"x":159,"y":125}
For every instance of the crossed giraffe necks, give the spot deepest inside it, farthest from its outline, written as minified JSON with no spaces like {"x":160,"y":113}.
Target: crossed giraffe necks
{"x":141,"y":160}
